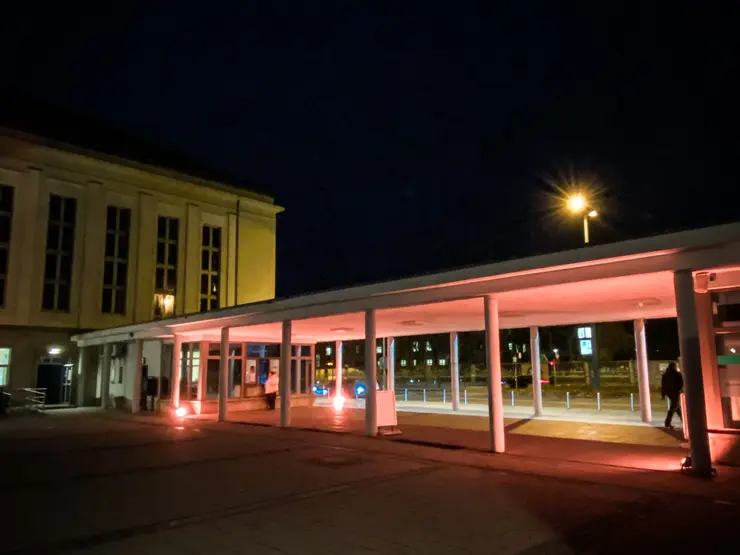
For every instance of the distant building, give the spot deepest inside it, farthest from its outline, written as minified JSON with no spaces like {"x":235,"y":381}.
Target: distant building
{"x":89,"y":241}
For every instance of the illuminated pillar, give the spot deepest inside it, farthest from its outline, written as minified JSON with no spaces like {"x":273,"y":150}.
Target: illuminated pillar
{"x":455,"y":369}
{"x":105,"y":377}
{"x":493,"y":361}
{"x":285,"y":355}
{"x":223,"y":379}
{"x":688,"y":335}
{"x":138,"y":374}
{"x":371,"y":375}
{"x":643,"y":371}
{"x":338,"y":368}
{"x":297,"y":373}
{"x":534,"y":355}
{"x":176,"y":371}
{"x":390,"y":363}
{"x":312,"y":378}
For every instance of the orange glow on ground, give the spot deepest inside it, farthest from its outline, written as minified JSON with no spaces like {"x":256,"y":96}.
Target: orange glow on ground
{"x":181,"y":412}
{"x":338,"y":402}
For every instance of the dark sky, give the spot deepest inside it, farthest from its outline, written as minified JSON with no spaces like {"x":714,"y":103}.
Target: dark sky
{"x":404,"y":141}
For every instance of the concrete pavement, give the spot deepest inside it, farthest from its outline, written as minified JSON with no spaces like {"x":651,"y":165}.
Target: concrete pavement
{"x":112,"y":484}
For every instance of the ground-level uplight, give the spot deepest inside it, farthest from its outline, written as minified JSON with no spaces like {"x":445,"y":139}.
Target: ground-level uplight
{"x":338,"y":402}
{"x":181,"y":412}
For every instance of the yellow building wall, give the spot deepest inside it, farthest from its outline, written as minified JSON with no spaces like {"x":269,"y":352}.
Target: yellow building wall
{"x":255,"y":278}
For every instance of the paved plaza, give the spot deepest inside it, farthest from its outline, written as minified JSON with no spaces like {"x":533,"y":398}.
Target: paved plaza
{"x":105,"y":483}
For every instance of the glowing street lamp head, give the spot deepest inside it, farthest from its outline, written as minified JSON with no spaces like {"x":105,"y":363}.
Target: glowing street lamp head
{"x":576,"y":203}
{"x":593,"y":214}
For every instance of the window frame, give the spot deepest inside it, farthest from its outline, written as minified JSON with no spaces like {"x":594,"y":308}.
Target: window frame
{"x":5,"y":245}
{"x":63,"y":227}
{"x":212,"y":274}
{"x":118,"y":287}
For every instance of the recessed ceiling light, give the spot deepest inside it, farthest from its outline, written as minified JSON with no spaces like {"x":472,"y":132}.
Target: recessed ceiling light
{"x":411,"y":323}
{"x":340,"y":330}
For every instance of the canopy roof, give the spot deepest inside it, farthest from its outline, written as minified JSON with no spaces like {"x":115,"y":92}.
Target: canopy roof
{"x":614,"y":282}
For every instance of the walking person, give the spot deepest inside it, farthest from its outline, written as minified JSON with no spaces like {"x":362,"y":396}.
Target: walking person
{"x":271,"y":389}
{"x":671,"y":386}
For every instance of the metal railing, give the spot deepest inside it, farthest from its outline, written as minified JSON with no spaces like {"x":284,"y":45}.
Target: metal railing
{"x":33,"y":398}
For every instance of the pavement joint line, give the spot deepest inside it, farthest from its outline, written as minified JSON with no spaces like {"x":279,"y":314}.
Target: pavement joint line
{"x":145,"y":469}
{"x":93,"y":540}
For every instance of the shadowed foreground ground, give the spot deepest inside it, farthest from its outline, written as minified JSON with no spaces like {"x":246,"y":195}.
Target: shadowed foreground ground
{"x":94,"y":483}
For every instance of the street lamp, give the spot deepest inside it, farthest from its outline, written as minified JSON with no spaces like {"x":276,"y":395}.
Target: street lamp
{"x":577,"y":204}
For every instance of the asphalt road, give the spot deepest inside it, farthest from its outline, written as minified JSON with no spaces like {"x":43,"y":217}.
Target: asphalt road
{"x":100,"y":485}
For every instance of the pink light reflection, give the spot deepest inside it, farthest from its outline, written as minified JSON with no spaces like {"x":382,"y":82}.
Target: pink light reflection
{"x":338,"y":402}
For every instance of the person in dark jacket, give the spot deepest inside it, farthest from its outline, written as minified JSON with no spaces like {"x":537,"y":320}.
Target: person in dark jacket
{"x":671,"y":386}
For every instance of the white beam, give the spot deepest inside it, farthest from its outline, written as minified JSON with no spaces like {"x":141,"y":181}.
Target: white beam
{"x":688,"y":335}
{"x":223,"y":379}
{"x":338,"y":368}
{"x":534,"y":354}
{"x":285,"y":355}
{"x":371,"y":375}
{"x":643,"y":372}
{"x":390,"y":363}
{"x":493,"y":361}
{"x":138,"y":369}
{"x":105,"y":377}
{"x":176,"y":371}
{"x":455,"y":369}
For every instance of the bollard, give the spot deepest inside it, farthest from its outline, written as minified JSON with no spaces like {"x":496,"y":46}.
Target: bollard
{"x":598,"y":400}
{"x":512,"y":399}
{"x":567,"y":399}
{"x":466,"y":396}
{"x":632,"y":401}
{"x":425,"y":395}
{"x":444,"y":396}
{"x":405,"y":394}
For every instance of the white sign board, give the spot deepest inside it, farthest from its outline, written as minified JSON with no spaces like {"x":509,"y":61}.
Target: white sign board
{"x":387,"y":408}
{"x":586,"y":347}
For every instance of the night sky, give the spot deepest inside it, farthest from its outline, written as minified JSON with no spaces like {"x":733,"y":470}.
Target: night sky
{"x":405,"y":141}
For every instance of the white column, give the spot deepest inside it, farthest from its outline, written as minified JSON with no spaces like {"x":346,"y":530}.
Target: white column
{"x":371,"y":375}
{"x":297,"y":375}
{"x":223,"y":379}
{"x":643,"y":372}
{"x":81,"y":352}
{"x":493,"y":361}
{"x":313,"y":369}
{"x":285,"y":354}
{"x":390,"y":363}
{"x":176,"y":371}
{"x":138,"y":362}
{"x":455,"y":369}
{"x":105,"y":377}
{"x":534,"y":354}
{"x":338,"y":368}
{"x":688,"y":336}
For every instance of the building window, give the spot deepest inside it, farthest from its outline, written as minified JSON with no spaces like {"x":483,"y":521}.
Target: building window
{"x":210,"y":268}
{"x":430,"y":361}
{"x":403,"y":362}
{"x":115,"y":265}
{"x":414,"y":361}
{"x":328,"y":351}
{"x":60,"y":241}
{"x":6,"y":219}
{"x":379,"y":349}
{"x":429,"y":346}
{"x":415,"y":346}
{"x":442,"y":362}
{"x":165,"y":273}
{"x":4,"y":366}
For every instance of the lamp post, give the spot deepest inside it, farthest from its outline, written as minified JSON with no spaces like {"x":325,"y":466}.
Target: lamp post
{"x":577,"y":204}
